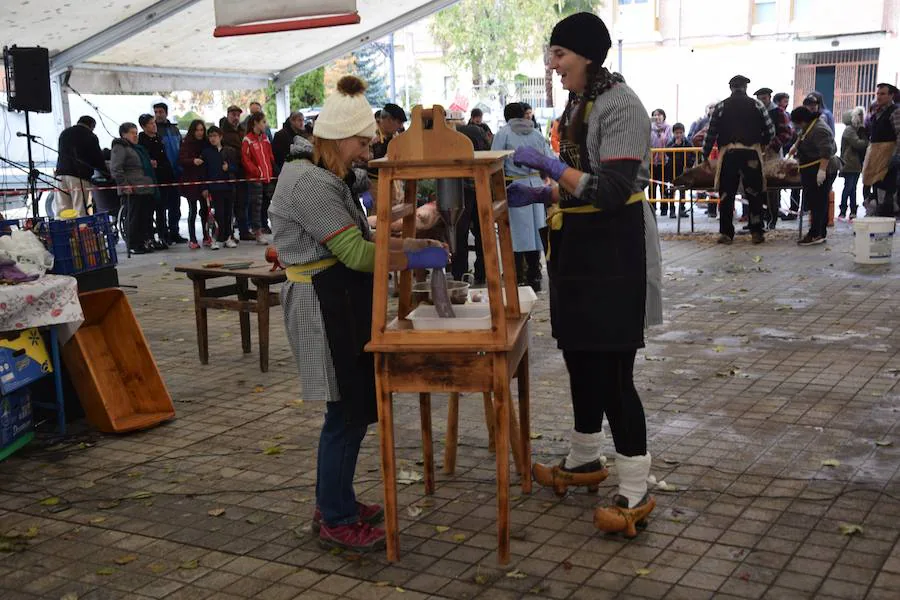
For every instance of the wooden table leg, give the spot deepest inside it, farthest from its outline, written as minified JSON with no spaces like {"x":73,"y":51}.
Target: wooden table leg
{"x":388,"y":459}
{"x":501,"y":407}
{"x":427,"y":442}
{"x":515,"y":437}
{"x":200,"y":313}
{"x":489,"y":420}
{"x":262,"y":306}
{"x":244,"y":295}
{"x":452,"y":434}
{"x":522,"y":377}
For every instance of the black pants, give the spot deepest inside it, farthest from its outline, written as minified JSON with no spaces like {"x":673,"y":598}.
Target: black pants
{"x":815,"y":198}
{"x":657,"y":175}
{"x":602,"y":383}
{"x":140,"y":219}
{"x":172,"y":205}
{"x":740,"y":166}
{"x":196,"y":204}
{"x":242,"y":207}
{"x":223,"y":205}
{"x":885,"y":192}
{"x":795,"y":200}
{"x":849,"y":192}
{"x":773,"y":205}
{"x":528,"y":267}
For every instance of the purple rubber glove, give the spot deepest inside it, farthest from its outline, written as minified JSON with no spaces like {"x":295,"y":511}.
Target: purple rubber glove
{"x":432,"y":257}
{"x":535,"y":159}
{"x":367,"y":200}
{"x":520,"y":194}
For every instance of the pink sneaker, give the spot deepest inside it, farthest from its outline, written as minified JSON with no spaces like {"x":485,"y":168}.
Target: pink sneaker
{"x":194,"y":246}
{"x":207,"y":241}
{"x":373,"y":514}
{"x":358,"y":537}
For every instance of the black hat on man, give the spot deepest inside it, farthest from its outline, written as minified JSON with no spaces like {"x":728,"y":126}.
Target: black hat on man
{"x":394,"y":112}
{"x":762,"y":91}
{"x":583,"y":33}
{"x":738,"y":81}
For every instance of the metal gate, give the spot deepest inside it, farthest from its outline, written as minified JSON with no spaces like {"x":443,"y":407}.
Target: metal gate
{"x":855,"y":76}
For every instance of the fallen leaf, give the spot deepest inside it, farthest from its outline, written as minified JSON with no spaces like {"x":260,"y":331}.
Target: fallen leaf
{"x":884,"y":443}
{"x":536,"y":435}
{"x":516,"y":574}
{"x":441,"y":528}
{"x":216,"y":512}
{"x":140,"y":496}
{"x":670,"y":461}
{"x":255,"y":519}
{"x":850,"y":529}
{"x":399,"y":590}
{"x":105,"y":571}
{"x":426,"y":503}
{"x":108,"y":505}
{"x":259,"y":389}
{"x":831,"y":462}
{"x":97,"y":520}
{"x":459,"y":537}
{"x":300,"y":499}
{"x":157,"y":568}
{"x":294,"y":403}
{"x":50,"y":501}
{"x":745,"y":576}
{"x":135,"y":474}
{"x":481,"y":579}
{"x":335,"y":551}
{"x":189,"y":565}
{"x":566,"y":565}
{"x":124,"y":560}
{"x":757,"y":259}
{"x":641,"y":572}
{"x":408,"y":477}
{"x":413,"y":511}
{"x":69,"y":596}
{"x":719,"y":348}
{"x":32,"y":532}
{"x":382,"y":583}
{"x":163,"y":264}
{"x":273,"y":450}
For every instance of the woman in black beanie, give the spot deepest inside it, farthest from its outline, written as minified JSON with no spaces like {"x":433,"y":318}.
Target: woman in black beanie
{"x":604,"y":267}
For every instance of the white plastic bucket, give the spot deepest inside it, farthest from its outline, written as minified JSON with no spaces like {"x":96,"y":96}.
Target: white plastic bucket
{"x":873,"y":240}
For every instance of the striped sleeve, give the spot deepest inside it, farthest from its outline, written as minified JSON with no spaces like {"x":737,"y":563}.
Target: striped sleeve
{"x":317,"y":204}
{"x":768,"y":128}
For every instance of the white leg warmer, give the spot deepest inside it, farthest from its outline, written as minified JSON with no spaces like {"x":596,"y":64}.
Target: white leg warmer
{"x":586,"y":447}
{"x":633,"y":472}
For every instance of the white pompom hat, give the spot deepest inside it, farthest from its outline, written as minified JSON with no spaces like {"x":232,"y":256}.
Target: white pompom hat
{"x":346,"y":113}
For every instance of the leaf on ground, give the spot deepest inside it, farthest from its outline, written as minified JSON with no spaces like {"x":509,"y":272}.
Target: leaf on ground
{"x":441,"y":528}
{"x":255,"y":519}
{"x":831,"y":462}
{"x":516,"y":574}
{"x":106,"y":571}
{"x":757,"y":259}
{"x":535,"y":435}
{"x":481,"y":579}
{"x":382,"y":583}
{"x":732,"y":312}
{"x":719,"y":348}
{"x":294,"y":403}
{"x":140,"y":496}
{"x":189,"y":565}
{"x":135,"y":474}
{"x":850,"y":529}
{"x":884,"y":443}
{"x":408,"y":477}
{"x":670,"y":461}
{"x":69,"y":596}
{"x":641,"y":572}
{"x":108,"y":505}
{"x":566,"y":565}
{"x":399,"y":590}
{"x":459,"y":537}
{"x":97,"y":520}
{"x":300,"y":499}
{"x":273,"y":450}
{"x":124,"y":560}
{"x":157,"y":568}
{"x":335,"y":551}
{"x":53,"y":501}
{"x":413,"y":511}
{"x":31,"y":533}
{"x":426,"y":503}
{"x":216,"y":512}
{"x":781,"y":308}
{"x":259,"y":389}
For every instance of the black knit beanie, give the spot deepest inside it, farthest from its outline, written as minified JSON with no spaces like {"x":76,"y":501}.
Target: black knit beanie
{"x":583,"y":33}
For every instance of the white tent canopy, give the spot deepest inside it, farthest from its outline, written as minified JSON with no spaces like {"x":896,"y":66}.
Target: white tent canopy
{"x":129,"y":46}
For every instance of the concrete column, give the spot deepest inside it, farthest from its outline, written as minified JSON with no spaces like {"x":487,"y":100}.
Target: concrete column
{"x":60,"y":103}
{"x":282,"y":103}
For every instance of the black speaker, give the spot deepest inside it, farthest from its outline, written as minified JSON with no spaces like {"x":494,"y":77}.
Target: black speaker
{"x":27,"y":79}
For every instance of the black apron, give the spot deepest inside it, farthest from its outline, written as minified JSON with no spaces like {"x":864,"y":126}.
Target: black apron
{"x":345,"y":299}
{"x":598,"y":273}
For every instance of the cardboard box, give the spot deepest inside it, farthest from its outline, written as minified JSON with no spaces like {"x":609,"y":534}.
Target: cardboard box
{"x":16,"y":428}
{"x":23,"y":359}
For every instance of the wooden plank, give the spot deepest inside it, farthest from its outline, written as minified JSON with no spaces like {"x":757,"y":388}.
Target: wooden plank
{"x":400,"y":337}
{"x":439,"y":372}
{"x":480,"y":158}
{"x":419,"y":142}
{"x":223,"y":304}
{"x":224,"y":291}
{"x":408,"y":231}
{"x":382,"y":250}
{"x":524,"y":384}
{"x":491,"y":258}
{"x":388,"y":459}
{"x":501,"y":409}
{"x":510,"y":281}
{"x":256,"y":270}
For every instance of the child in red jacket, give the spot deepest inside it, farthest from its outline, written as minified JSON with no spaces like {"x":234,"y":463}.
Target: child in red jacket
{"x":258,"y":162}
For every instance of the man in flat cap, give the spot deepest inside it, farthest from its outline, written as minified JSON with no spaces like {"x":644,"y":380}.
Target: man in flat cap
{"x":881,"y":168}
{"x":741,"y":126}
{"x":784,"y":133}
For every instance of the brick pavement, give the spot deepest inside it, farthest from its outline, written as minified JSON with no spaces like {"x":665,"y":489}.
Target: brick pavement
{"x":772,"y":360}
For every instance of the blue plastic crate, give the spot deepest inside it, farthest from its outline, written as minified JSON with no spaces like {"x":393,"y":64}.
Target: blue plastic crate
{"x":16,"y":427}
{"x":82,"y":244}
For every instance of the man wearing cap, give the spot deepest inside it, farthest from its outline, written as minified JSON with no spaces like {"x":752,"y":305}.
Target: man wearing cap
{"x":882,"y":164}
{"x":784,"y":133}
{"x":742,"y":128}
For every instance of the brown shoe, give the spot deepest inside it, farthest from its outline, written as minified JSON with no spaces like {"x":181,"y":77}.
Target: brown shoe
{"x":724,"y":239}
{"x":758,"y":237}
{"x":560,"y":478}
{"x":619,"y":518}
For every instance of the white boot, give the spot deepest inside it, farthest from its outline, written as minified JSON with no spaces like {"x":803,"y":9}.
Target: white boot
{"x":585,"y":448}
{"x":633,"y":472}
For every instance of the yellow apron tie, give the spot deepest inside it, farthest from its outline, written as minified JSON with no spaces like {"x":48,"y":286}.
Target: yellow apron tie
{"x":803,"y":137}
{"x":300,"y":273}
{"x":810,"y":164}
{"x":555,"y":214}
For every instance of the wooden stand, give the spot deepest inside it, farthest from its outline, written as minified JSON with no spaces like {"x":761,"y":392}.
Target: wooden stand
{"x":425,"y":361}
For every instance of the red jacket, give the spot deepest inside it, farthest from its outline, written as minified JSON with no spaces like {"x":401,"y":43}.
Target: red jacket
{"x":257,"y":157}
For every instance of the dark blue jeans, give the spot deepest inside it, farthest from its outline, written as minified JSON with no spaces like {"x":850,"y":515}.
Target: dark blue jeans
{"x":172,"y":203}
{"x":849,"y":192}
{"x":338,"y":450}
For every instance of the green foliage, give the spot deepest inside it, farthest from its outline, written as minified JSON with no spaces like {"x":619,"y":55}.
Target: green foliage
{"x":491,"y":37}
{"x":370,"y":67}
{"x":185,"y":120}
{"x":306,"y":90}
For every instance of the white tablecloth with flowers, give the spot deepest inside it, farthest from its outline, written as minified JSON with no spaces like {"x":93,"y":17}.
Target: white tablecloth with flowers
{"x":50,"y":300}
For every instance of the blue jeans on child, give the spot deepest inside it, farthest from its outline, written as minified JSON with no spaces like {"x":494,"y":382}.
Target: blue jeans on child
{"x":339,"y":445}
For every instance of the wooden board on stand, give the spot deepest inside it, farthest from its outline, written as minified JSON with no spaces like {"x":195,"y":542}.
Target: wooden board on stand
{"x":426,"y":361}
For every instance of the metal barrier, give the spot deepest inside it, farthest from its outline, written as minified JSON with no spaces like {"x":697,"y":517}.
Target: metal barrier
{"x":662,"y":174}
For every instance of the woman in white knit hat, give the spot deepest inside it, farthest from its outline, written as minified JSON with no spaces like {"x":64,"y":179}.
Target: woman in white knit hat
{"x":321,"y":233}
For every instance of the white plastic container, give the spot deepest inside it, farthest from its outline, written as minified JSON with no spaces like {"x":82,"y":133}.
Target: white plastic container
{"x":527,"y":298}
{"x":873,"y":239}
{"x":468,"y":316}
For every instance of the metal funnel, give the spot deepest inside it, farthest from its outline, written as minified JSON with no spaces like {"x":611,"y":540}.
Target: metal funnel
{"x":450,"y":204}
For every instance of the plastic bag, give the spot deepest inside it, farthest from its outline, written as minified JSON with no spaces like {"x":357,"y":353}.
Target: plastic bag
{"x":27,"y":251}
